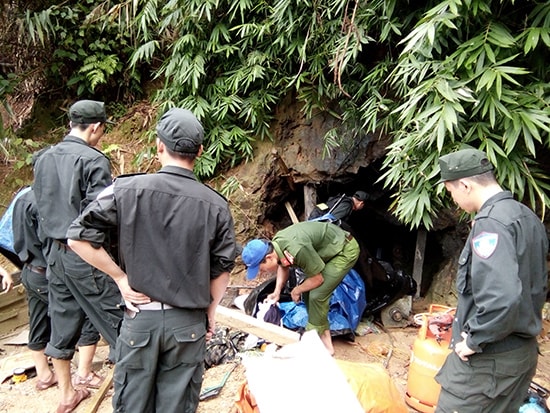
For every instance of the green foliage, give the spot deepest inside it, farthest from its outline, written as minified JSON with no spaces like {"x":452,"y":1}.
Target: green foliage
{"x":89,"y":52}
{"x":432,"y":75}
{"x":468,"y":74}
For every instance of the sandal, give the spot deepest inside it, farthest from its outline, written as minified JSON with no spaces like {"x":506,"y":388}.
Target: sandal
{"x":80,"y":395}
{"x":79,"y":381}
{"x":43,"y":385}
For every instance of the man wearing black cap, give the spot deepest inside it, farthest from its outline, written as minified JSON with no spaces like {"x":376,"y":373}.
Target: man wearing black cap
{"x":340,"y":207}
{"x":177,"y":246}
{"x":68,"y":176}
{"x":501,"y":282}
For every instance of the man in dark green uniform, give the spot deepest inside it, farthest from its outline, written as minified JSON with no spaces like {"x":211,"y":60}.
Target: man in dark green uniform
{"x":68,"y":176}
{"x":323,"y":251}
{"x":502,"y":282}
{"x":177,"y":247}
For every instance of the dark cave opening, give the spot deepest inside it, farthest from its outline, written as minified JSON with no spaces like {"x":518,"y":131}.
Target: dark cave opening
{"x":378,"y":230}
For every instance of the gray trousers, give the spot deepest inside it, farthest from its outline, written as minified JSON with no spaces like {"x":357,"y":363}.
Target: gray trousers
{"x":160,"y":361}
{"x":36,"y":286}
{"x":78,"y":291}
{"x":487,"y":383}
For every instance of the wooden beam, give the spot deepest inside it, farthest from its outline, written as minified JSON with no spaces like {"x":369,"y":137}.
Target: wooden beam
{"x":269,"y":332}
{"x":285,"y":171}
{"x":419,"y":254}
{"x":98,"y":396}
{"x":310,"y":200}
{"x":291,"y":213}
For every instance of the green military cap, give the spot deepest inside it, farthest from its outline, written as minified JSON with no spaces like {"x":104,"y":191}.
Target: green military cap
{"x":88,"y":111}
{"x":180,"y":131}
{"x":463,"y":163}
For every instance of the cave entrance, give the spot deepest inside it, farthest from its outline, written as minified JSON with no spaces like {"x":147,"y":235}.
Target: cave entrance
{"x":375,"y":227}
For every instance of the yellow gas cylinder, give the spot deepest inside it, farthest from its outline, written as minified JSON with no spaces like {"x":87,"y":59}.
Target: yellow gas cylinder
{"x":428,"y":354}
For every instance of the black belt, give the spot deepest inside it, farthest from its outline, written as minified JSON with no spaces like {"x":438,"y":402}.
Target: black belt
{"x":37,"y":269}
{"x":63,"y":244}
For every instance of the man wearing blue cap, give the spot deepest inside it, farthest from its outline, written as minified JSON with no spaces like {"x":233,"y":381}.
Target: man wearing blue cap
{"x":323,"y":251}
{"x":502,"y":284}
{"x":176,"y":246}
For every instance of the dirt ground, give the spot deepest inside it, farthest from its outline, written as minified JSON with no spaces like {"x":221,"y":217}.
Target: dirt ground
{"x":389,"y":347}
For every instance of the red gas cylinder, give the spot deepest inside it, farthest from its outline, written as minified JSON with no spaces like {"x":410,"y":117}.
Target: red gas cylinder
{"x":430,"y":349}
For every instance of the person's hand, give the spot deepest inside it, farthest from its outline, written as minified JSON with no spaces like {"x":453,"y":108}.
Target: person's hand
{"x":296,"y":295}
{"x":130,"y":296}
{"x":461,"y":348}
{"x":274,"y":297}
{"x":7,"y":280}
{"x":211,"y":329}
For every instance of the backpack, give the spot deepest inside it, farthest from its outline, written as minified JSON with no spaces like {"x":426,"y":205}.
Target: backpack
{"x":6,"y":230}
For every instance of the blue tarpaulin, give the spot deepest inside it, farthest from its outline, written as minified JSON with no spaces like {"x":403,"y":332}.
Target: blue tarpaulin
{"x":346,"y":307}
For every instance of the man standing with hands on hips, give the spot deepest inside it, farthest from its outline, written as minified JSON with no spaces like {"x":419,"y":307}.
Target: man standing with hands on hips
{"x":502,"y":284}
{"x":177,"y":246}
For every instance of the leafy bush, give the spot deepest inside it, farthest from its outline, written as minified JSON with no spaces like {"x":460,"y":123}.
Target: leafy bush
{"x":433,"y":75}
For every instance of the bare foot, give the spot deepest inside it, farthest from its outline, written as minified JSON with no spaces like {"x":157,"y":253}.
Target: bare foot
{"x":327,"y":341}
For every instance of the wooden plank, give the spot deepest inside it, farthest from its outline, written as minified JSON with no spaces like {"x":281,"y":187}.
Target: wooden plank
{"x":20,"y":360}
{"x":15,"y":295}
{"x":7,"y":315}
{"x":419,"y":254}
{"x":95,"y":402}
{"x":13,"y":309}
{"x":291,"y":213}
{"x":269,"y":332}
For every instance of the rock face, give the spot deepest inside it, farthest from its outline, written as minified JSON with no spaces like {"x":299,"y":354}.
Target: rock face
{"x":293,"y":169}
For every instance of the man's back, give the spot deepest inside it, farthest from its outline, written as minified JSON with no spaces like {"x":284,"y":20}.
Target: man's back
{"x":171,"y":224}
{"x":68,"y":176}
{"x":340,"y":207}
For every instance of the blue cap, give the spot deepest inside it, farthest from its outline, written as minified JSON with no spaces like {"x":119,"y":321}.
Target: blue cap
{"x":253,"y":254}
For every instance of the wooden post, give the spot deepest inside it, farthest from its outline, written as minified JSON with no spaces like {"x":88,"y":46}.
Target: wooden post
{"x":291,"y":213}
{"x":310,"y":200}
{"x":419,"y":254}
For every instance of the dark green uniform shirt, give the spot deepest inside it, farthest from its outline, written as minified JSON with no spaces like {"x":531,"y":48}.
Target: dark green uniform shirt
{"x":175,"y":234}
{"x":502,"y":276}
{"x":26,"y":241}
{"x":309,"y":245}
{"x":67,"y":177}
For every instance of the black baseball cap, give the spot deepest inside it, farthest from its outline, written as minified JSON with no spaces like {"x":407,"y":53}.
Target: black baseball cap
{"x":87,"y":112}
{"x":180,"y":131}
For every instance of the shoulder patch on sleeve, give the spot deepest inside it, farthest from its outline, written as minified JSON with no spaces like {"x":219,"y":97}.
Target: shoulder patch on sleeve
{"x":485,"y":244}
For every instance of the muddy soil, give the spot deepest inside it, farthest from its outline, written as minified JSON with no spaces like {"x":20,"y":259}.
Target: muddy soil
{"x":389,"y":347}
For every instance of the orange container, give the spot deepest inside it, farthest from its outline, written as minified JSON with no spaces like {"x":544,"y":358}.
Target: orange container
{"x":428,"y":355}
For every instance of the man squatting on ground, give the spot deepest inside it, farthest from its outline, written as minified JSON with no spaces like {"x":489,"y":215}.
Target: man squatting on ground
{"x":177,"y":246}
{"x":324,"y":252}
{"x":28,"y":245}
{"x":502,"y":284}
{"x":67,"y":177}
